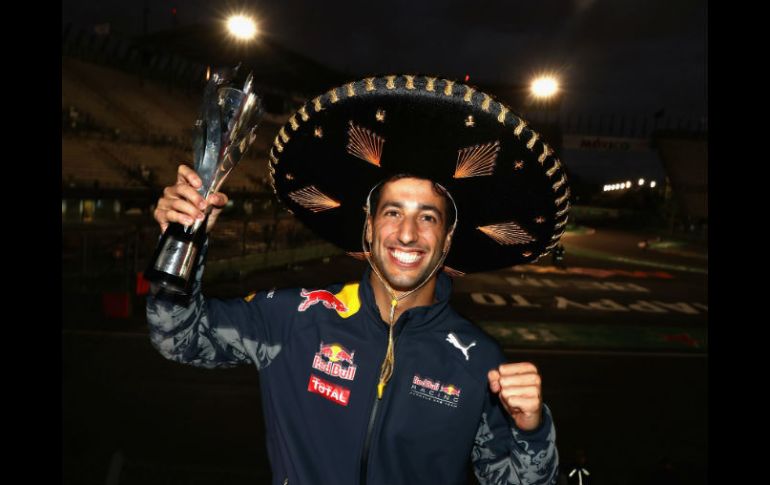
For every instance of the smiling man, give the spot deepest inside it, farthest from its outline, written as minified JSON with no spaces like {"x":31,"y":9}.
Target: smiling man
{"x":380,"y":381}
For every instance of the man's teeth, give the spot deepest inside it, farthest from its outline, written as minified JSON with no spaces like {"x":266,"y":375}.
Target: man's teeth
{"x":404,"y":257}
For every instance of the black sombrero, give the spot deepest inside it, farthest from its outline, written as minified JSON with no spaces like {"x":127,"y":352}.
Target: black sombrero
{"x":510,"y":190}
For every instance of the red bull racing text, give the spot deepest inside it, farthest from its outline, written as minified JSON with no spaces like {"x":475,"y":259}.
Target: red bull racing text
{"x":432,"y":390}
{"x":336,"y":361}
{"x":332,"y":392}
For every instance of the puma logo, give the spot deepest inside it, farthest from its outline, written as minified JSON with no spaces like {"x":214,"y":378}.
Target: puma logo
{"x":452,"y":339}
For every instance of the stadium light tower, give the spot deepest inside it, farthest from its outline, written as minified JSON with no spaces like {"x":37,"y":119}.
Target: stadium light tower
{"x":242,"y":27}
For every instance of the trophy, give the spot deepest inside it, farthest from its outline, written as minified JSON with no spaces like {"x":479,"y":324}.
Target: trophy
{"x":225,"y":130}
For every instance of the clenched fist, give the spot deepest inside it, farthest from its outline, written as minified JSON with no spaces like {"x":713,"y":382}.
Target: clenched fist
{"x":183,"y":204}
{"x":518,"y":387}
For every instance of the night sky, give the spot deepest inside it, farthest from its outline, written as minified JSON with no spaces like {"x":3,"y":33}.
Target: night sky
{"x":628,"y":57}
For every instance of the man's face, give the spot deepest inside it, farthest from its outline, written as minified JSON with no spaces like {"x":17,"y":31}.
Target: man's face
{"x":408,"y":232}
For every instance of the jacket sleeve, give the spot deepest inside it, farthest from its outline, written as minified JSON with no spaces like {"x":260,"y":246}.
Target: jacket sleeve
{"x":505,"y":455}
{"x":213,"y":333}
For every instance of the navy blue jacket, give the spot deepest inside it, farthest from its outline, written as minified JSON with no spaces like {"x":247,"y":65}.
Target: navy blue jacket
{"x":319,"y":359}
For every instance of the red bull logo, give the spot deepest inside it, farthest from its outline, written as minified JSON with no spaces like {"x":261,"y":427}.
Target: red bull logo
{"x":320,"y":296}
{"x":334,"y":393}
{"x":450,"y":390}
{"x":435,"y":391}
{"x":335,"y":360}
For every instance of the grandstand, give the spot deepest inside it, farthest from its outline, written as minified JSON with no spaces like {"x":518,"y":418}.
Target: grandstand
{"x":136,"y":132}
{"x":128,"y":113}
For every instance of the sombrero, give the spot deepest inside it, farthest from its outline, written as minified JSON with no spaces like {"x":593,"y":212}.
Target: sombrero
{"x":510,"y":189}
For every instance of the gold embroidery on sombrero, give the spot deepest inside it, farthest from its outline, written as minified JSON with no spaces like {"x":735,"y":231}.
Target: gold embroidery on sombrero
{"x":469,"y":121}
{"x":503,"y":112}
{"x":333,"y":95}
{"x":351,"y":91}
{"x":518,"y":165}
{"x":563,"y":211}
{"x":448,"y":87}
{"x":552,"y":170}
{"x":564,"y":197}
{"x":531,"y":142}
{"x":546,"y":153}
{"x":526,"y":254}
{"x":476,"y":161}
{"x":431,"y":83}
{"x":409,"y":82}
{"x":313,"y":199}
{"x":303,"y":114}
{"x":289,"y":176}
{"x":293,"y":123}
{"x":557,"y":236}
{"x":277,"y":144}
{"x":468,"y":98}
{"x":369,"y":83}
{"x":560,"y":225}
{"x":317,"y":104}
{"x":318,"y":132}
{"x":485,"y":104}
{"x":271,"y":170}
{"x":283,"y":134}
{"x":549,"y":247}
{"x":540,"y":219}
{"x":364,"y":144}
{"x":559,"y":183}
{"x":272,"y":157}
{"x":507,"y":233}
{"x":391,"y":84}
{"x":380,"y":115}
{"x":520,"y":128}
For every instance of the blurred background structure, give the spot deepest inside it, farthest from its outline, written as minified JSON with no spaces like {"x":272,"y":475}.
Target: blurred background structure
{"x":625,"y":297}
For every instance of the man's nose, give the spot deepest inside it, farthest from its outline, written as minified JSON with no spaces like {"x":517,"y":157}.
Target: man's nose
{"x":407,"y":231}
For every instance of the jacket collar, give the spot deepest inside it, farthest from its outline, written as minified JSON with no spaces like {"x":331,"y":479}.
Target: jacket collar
{"x":415,"y":319}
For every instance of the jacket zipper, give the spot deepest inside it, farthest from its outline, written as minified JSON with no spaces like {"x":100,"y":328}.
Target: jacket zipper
{"x":367,"y":442}
{"x":370,"y":429}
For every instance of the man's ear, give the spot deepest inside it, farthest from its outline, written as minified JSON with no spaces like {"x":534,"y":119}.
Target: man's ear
{"x":369,"y":230}
{"x":448,"y":242}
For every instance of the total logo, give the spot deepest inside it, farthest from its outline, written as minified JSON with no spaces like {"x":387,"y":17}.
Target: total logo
{"x":334,"y":393}
{"x":432,"y":390}
{"x":336,"y":361}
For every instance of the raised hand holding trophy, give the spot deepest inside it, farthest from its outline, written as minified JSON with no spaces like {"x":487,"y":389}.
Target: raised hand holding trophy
{"x":224,"y":132}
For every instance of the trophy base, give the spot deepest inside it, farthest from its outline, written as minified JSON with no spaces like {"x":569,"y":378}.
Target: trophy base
{"x":171,"y":267}
{"x":167,"y":283}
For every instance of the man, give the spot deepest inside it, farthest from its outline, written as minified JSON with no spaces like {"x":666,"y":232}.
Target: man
{"x":380,"y":381}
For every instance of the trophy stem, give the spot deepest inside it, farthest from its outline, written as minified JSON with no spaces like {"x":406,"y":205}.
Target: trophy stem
{"x":172,"y":264}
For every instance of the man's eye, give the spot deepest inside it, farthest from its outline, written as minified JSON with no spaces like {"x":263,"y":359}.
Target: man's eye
{"x":391,"y":213}
{"x":428,"y":218}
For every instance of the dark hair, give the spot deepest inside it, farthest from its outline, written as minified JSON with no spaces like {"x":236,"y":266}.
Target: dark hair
{"x":374,"y":199}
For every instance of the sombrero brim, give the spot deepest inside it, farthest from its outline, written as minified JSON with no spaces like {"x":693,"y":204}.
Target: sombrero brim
{"x":510,"y":189}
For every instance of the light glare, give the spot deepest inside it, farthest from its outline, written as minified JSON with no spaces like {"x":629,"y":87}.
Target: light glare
{"x":544,"y":87}
{"x":242,"y":27}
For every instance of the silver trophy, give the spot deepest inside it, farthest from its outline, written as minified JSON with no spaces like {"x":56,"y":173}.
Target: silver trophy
{"x":226,"y":128}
